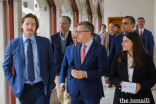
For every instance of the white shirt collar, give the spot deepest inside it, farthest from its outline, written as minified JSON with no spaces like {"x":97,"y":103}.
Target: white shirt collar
{"x":88,"y":44}
{"x":141,"y":30}
{"x":32,"y":38}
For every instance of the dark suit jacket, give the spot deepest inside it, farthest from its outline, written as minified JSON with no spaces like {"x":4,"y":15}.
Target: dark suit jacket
{"x":148,"y":40}
{"x":115,"y":48}
{"x":105,"y":41}
{"x":15,"y":52}
{"x":68,"y":57}
{"x":95,"y":65}
{"x":56,"y":47}
{"x":145,"y":76}
{"x":118,"y":33}
{"x":97,"y":38}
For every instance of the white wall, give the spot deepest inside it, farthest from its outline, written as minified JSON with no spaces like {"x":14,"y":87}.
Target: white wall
{"x":155,"y":21}
{"x":135,"y":8}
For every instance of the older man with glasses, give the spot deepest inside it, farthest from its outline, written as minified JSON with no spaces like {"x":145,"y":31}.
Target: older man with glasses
{"x":66,"y":85}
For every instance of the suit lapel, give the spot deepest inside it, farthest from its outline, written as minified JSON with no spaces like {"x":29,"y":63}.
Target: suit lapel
{"x":39,"y":47}
{"x":90,"y":51}
{"x":79,"y":53}
{"x":21,"y":47}
{"x":125,"y":69}
{"x":144,"y":33}
{"x":137,"y":30}
{"x":68,"y":38}
{"x":58,"y":40}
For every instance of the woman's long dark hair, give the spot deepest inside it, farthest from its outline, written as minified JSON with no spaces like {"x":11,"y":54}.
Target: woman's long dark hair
{"x":138,"y":50}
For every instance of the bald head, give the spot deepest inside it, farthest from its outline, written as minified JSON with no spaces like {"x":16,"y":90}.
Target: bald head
{"x":74,"y":36}
{"x":111,"y":28}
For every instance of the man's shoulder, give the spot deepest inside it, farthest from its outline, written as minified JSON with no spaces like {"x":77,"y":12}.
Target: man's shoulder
{"x":136,"y":30}
{"x":70,"y":46}
{"x":118,"y":36}
{"x":147,"y":31}
{"x":12,"y":41}
{"x":106,"y":33}
{"x":42,"y":38}
{"x":98,"y":45}
{"x":55,"y":35}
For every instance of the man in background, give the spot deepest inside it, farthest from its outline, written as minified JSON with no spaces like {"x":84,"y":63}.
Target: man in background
{"x":66,"y":84}
{"x":59,"y":41}
{"x":146,"y":35}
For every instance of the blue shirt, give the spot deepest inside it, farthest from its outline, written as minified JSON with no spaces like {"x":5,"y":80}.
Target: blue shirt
{"x":35,"y":58}
{"x":88,"y":44}
{"x":110,"y":40}
{"x":63,"y":41}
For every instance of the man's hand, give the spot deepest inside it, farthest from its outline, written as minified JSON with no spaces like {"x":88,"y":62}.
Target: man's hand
{"x":73,"y":72}
{"x":78,"y":74}
{"x":62,"y":88}
{"x":107,"y":80}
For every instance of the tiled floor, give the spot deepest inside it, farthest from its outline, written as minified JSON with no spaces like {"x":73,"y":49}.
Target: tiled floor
{"x":109,"y":94}
{"x":108,"y":99}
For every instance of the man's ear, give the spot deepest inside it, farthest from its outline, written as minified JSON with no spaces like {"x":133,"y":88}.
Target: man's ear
{"x":22,"y":25}
{"x":68,"y":26}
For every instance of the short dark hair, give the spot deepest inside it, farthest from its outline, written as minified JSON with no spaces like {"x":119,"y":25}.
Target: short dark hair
{"x":118,"y":26}
{"x":32,"y":16}
{"x":131,"y":19}
{"x":103,"y":25}
{"x":138,"y":51}
{"x":141,"y":18}
{"x":87,"y":26}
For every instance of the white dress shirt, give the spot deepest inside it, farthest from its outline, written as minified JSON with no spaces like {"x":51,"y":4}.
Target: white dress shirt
{"x":130,"y":70}
{"x":141,"y":30}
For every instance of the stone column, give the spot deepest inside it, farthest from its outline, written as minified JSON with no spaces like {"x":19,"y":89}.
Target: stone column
{"x":17,"y":17}
{"x":17,"y":22}
{"x":44,"y":20}
{"x":58,"y":15}
{"x":80,"y":16}
{"x":3,"y":43}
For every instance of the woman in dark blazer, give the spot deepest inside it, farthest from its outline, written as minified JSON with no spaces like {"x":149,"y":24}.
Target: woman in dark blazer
{"x":133,"y":64}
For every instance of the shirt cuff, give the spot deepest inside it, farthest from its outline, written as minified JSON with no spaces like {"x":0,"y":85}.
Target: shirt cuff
{"x":86,"y":75}
{"x":62,"y":84}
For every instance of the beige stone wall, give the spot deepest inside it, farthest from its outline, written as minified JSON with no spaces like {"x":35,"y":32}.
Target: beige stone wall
{"x":3,"y":81}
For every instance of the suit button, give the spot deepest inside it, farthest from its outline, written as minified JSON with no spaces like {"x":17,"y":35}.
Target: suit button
{"x":23,"y":78}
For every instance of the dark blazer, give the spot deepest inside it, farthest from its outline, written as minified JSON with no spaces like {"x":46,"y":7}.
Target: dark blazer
{"x":145,"y":76}
{"x":115,"y":48}
{"x":105,"y":41}
{"x":68,"y":57}
{"x":95,"y":65}
{"x":97,"y":38}
{"x":15,"y":52}
{"x":56,"y":47}
{"x":148,"y":40}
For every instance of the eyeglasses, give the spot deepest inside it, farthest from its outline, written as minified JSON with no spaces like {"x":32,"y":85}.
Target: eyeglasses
{"x":78,"y":32}
{"x":74,"y":38}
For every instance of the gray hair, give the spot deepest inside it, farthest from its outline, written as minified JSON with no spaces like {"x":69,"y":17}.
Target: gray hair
{"x":87,"y":26}
{"x":75,"y":29}
{"x":67,"y":19}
